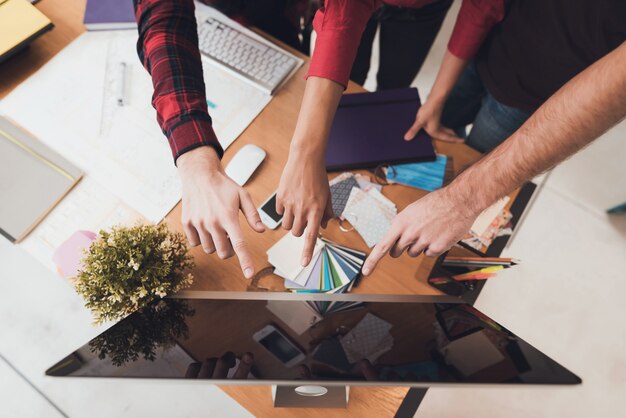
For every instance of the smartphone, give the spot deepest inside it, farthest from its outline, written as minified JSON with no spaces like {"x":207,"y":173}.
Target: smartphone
{"x":279,"y":345}
{"x":268,"y":214}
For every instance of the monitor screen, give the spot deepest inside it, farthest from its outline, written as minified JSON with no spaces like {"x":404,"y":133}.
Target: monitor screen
{"x":402,"y":342}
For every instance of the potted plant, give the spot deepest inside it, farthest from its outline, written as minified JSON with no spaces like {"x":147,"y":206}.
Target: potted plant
{"x":126,"y":268}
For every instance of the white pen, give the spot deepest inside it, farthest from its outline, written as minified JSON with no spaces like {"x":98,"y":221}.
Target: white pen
{"x":121,"y":97}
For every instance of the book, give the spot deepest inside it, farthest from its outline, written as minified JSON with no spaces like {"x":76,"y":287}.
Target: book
{"x":20,"y":24}
{"x":368,"y":131}
{"x":109,"y":15}
{"x":33,"y":179}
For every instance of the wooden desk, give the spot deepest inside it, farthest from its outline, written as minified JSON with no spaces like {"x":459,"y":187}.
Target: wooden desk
{"x":271,"y":130}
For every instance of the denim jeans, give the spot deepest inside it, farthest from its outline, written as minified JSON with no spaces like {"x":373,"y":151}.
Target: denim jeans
{"x":470,"y":103}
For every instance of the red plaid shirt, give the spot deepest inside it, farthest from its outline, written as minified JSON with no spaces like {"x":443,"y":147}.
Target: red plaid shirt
{"x":168,"y":48}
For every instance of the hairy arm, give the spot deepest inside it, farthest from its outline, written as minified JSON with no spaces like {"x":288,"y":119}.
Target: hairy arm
{"x":583,"y":109}
{"x":573,"y":117}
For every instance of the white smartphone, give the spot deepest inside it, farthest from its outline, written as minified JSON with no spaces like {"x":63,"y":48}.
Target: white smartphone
{"x":279,"y":345}
{"x":268,"y":214}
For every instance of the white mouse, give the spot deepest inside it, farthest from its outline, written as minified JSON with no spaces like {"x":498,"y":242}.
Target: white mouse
{"x":244,"y":163}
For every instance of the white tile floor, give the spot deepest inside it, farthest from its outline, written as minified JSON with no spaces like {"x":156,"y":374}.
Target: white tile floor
{"x":42,"y":320}
{"x":565,"y":298}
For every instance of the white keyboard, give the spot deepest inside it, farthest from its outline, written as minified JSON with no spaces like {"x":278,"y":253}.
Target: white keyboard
{"x":247,"y":58}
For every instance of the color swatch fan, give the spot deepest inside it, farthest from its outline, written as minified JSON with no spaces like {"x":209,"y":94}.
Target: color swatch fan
{"x":333,"y":268}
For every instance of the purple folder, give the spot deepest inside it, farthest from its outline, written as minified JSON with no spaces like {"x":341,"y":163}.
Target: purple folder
{"x":369,"y":128}
{"x":109,"y":15}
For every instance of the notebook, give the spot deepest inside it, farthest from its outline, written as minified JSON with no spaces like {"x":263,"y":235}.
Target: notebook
{"x":20,"y":24}
{"x":109,"y":15}
{"x":368,"y":130}
{"x":33,"y":179}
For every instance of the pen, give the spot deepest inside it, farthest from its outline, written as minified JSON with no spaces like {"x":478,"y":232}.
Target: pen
{"x":121,"y":85}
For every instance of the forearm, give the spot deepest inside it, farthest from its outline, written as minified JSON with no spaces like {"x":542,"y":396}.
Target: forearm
{"x":319,"y":104}
{"x":579,"y":112}
{"x":449,"y":72}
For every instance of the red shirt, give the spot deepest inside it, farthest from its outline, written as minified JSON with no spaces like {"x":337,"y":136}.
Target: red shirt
{"x":339,"y":25}
{"x":168,"y":49}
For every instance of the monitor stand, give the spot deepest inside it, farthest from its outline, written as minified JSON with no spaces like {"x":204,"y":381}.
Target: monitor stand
{"x":310,"y":396}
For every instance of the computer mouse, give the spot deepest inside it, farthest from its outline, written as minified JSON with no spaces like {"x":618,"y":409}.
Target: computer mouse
{"x":244,"y":163}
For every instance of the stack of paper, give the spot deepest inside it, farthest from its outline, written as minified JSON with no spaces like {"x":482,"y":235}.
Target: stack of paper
{"x":362,"y":203}
{"x":333,"y":268}
{"x":341,"y":187}
{"x":490,"y":224}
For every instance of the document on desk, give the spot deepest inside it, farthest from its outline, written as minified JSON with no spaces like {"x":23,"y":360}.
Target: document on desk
{"x":129,"y":173}
{"x":71,"y":105}
{"x":88,"y":207}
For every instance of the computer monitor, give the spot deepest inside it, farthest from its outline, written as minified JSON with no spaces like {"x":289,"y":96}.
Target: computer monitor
{"x":283,"y":338}
{"x":312,"y":341}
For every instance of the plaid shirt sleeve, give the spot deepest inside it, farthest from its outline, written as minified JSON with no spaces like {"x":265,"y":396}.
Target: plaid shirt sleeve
{"x":168,"y":49}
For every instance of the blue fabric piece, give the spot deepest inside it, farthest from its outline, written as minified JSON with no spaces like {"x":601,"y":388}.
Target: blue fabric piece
{"x":428,"y":176}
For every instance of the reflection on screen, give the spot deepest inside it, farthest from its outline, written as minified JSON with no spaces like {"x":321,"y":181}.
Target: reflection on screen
{"x":403,"y":342}
{"x":280,"y":347}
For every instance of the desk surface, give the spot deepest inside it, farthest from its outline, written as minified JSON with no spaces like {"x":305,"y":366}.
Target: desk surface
{"x":272,"y":130}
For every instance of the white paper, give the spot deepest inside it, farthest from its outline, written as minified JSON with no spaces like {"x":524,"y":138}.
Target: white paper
{"x":286,"y":255}
{"x":71,"y":105}
{"x":487,"y":216}
{"x":88,"y":207}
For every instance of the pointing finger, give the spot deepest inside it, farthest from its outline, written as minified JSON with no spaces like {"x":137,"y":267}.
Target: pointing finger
{"x":380,"y":250}
{"x":241,"y":249}
{"x":250,"y":212}
{"x":413,"y":130}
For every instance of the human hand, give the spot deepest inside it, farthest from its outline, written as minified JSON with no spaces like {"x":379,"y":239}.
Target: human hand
{"x":428,"y":117}
{"x":211,"y":204}
{"x":304,"y":199}
{"x":431,"y":225}
{"x":214,"y":368}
